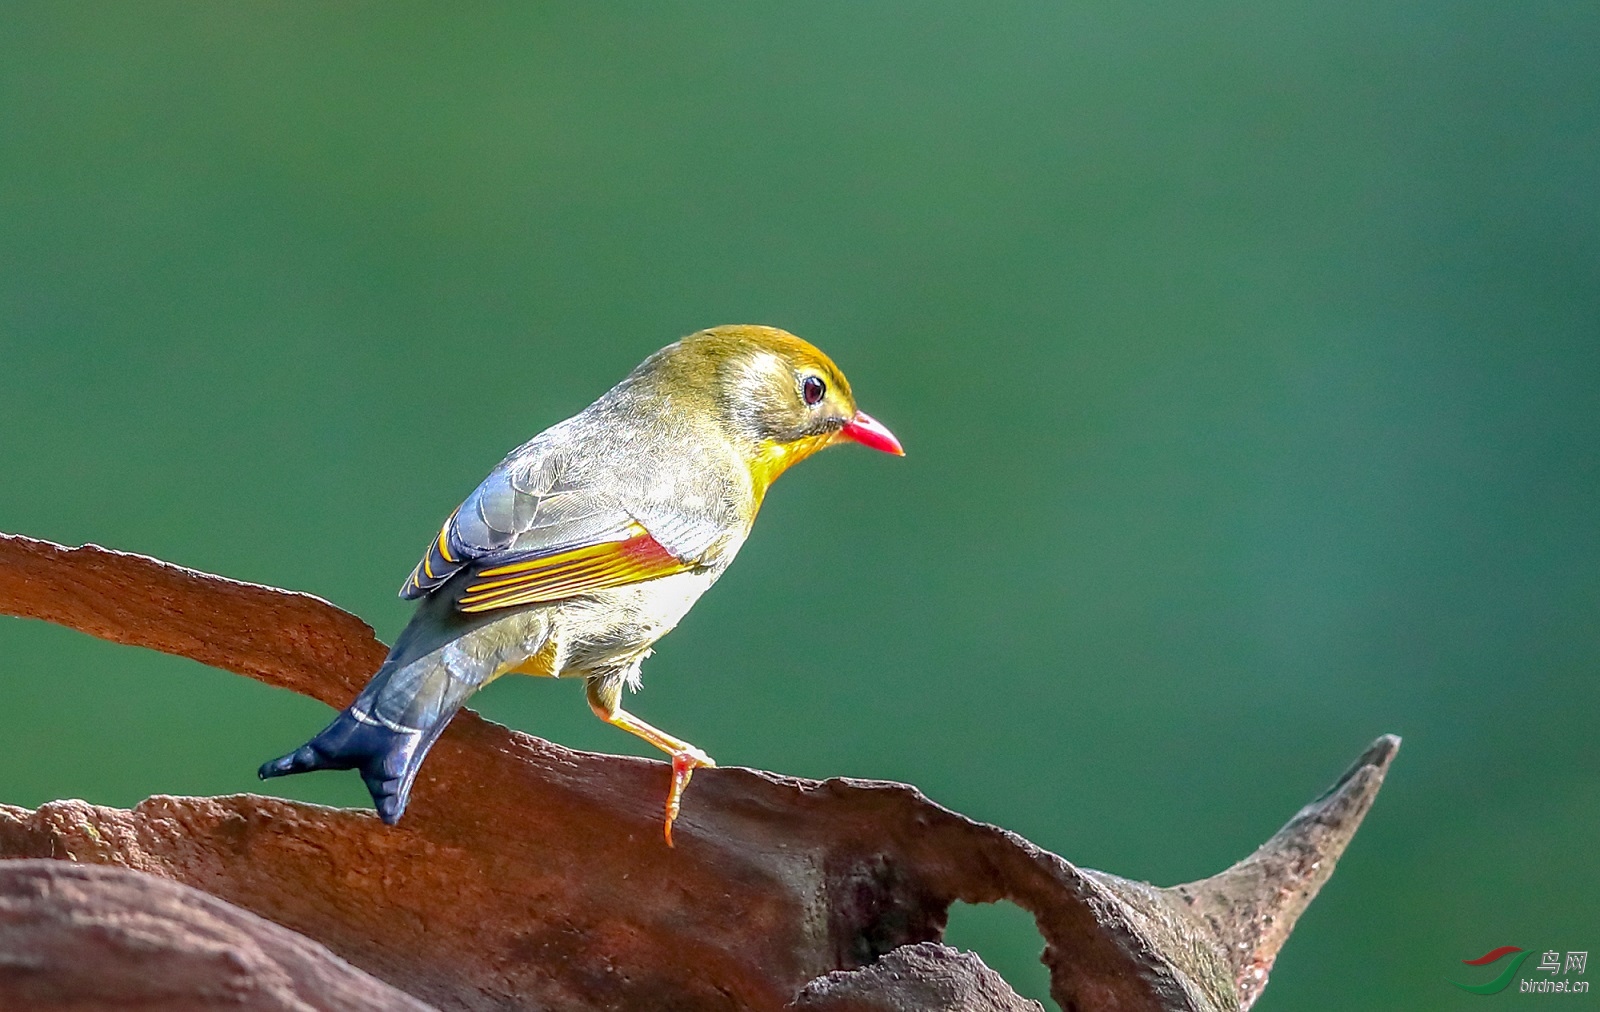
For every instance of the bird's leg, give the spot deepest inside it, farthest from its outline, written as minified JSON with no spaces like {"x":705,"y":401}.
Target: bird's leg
{"x":605,"y":699}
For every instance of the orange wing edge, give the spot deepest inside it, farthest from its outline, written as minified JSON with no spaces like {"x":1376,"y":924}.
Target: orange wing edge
{"x":565,"y":574}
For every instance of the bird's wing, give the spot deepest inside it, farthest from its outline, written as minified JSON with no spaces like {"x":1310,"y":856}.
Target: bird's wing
{"x":537,"y":531}
{"x":538,"y":578}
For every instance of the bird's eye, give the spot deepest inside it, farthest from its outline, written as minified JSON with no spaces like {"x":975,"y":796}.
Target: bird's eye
{"x":812,"y":388}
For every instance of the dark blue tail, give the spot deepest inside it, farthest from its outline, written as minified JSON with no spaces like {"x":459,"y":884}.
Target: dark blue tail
{"x":436,"y":664}
{"x":387,"y":758}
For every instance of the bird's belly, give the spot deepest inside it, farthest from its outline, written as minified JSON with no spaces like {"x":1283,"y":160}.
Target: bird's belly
{"x":611,"y":630}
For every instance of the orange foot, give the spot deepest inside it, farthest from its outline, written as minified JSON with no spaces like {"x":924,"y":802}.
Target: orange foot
{"x":684,"y":763}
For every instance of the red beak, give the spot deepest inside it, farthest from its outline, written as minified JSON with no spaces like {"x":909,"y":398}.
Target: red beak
{"x":868,"y":431}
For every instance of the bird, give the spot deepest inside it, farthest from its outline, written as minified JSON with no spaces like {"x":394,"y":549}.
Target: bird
{"x":591,"y":541}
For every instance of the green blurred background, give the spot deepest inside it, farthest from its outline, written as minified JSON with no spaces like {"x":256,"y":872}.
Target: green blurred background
{"x":1247,"y":356}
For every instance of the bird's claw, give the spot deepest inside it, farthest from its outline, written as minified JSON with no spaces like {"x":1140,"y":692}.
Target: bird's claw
{"x":684,"y":764}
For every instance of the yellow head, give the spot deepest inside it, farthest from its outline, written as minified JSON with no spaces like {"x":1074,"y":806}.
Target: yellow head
{"x":778,"y":397}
